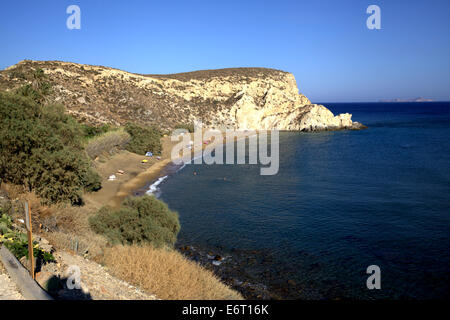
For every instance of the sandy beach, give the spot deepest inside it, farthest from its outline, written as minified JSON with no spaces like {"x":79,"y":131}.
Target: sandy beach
{"x":136,"y":174}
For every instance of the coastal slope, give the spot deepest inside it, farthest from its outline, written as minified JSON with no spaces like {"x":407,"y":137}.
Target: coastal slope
{"x":237,"y":98}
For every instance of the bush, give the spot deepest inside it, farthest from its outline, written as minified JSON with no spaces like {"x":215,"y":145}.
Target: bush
{"x":41,"y":147}
{"x":5,"y":223}
{"x":92,"y":181}
{"x":107,"y":142}
{"x":93,"y":131}
{"x":39,"y":89}
{"x":143,"y":139}
{"x":17,"y":242}
{"x":20,"y":249}
{"x":140,"y":219}
{"x":188,"y":127}
{"x":28,"y":91}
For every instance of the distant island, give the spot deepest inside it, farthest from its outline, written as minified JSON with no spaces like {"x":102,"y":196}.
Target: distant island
{"x":420,"y":99}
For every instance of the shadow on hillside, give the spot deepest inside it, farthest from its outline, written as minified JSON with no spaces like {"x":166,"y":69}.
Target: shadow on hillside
{"x":57,"y":288}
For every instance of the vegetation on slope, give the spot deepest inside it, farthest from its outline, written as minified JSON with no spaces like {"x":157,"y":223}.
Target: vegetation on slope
{"x":94,"y":131}
{"x":139,"y":220}
{"x":17,"y":242}
{"x":39,"y":89}
{"x":41,"y":148}
{"x":107,"y":142}
{"x":143,"y":139}
{"x":189,"y":127}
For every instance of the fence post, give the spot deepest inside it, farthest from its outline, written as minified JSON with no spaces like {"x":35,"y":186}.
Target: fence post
{"x":29,"y":227}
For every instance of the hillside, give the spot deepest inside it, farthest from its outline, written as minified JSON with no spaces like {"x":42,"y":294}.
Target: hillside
{"x":241,"y":98}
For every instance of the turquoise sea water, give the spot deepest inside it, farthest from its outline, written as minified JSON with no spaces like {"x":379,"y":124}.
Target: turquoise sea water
{"x":341,"y":201}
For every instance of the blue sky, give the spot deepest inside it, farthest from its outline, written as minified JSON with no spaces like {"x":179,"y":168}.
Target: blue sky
{"x":325,"y":44}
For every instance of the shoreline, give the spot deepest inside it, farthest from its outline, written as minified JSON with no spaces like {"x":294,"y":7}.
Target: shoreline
{"x":136,"y":186}
{"x":141,"y":180}
{"x":144,"y":180}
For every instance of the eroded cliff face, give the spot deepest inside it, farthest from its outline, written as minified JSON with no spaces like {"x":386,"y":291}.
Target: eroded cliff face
{"x":241,"y":98}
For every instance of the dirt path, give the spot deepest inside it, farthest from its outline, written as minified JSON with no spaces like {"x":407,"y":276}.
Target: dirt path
{"x":95,"y":281}
{"x":8,"y":290}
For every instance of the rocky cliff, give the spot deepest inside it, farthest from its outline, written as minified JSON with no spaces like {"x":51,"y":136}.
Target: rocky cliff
{"x":241,"y":98}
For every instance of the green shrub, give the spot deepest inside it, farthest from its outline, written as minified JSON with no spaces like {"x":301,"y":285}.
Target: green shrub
{"x":140,"y":219}
{"x":17,"y":242}
{"x":93,"y":131}
{"x":20,"y":249}
{"x":188,"y":127}
{"x":39,"y":89}
{"x":143,"y":139}
{"x":17,"y":74}
{"x":28,"y":91}
{"x":92,"y":181}
{"x":5,"y":224}
{"x":61,"y":176}
{"x":41,"y":147}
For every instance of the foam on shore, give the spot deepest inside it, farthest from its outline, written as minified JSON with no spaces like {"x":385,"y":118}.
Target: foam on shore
{"x":154,"y":187}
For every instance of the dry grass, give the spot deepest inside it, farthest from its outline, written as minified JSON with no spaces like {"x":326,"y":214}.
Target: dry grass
{"x":13,"y":191}
{"x":107,"y":142}
{"x":166,"y":273}
{"x":65,"y":227}
{"x":18,"y":195}
{"x":87,"y":245}
{"x":72,"y":218}
{"x":72,"y":231}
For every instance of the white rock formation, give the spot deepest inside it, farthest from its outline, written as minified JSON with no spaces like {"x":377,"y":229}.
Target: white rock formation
{"x":240,"y":98}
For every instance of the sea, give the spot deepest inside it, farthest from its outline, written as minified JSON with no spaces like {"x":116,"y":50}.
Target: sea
{"x":342,"y":201}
